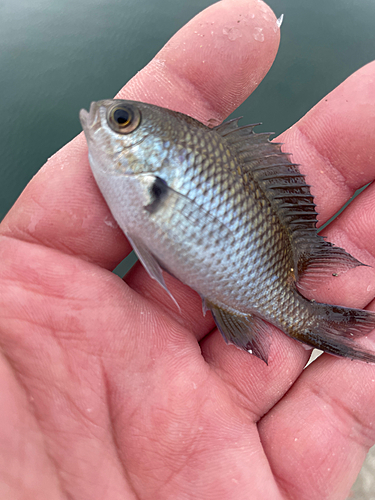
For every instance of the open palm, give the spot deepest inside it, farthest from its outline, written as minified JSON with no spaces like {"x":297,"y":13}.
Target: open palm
{"x":106,"y":391}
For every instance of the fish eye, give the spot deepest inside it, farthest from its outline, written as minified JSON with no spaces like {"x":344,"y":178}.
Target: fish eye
{"x":124,"y":118}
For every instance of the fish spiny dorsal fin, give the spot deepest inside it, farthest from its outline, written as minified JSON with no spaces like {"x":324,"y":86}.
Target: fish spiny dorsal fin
{"x":228,"y":126}
{"x":284,"y":186}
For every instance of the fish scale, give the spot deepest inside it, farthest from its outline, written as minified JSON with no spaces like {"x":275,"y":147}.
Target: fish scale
{"x":226,"y":212}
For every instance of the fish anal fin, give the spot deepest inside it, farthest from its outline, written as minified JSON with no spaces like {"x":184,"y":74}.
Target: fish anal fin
{"x":150,"y":264}
{"x":245,"y":331}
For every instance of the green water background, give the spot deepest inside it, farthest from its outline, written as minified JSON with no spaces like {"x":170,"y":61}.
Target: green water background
{"x":56,"y":56}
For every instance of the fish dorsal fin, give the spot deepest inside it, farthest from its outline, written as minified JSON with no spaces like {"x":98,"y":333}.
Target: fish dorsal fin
{"x":284,"y":186}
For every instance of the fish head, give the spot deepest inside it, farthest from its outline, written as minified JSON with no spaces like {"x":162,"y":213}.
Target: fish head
{"x":129,"y":137}
{"x":138,"y":152}
{"x":113,"y":133}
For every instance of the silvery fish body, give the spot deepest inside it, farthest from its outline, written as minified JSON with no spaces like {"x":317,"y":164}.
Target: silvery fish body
{"x":227,"y":213}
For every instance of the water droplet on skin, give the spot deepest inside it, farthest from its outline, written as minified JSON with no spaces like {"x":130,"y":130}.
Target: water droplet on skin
{"x":307,"y":347}
{"x":258,"y":34}
{"x":279,"y":21}
{"x":34,"y":221}
{"x":369,"y":288}
{"x":109,"y":221}
{"x":212,"y":122}
{"x":50,"y":157}
{"x":232,"y":33}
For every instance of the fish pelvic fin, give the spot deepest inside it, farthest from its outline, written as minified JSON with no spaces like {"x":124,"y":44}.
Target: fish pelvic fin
{"x":246,"y":331}
{"x":151,"y":265}
{"x":336,"y":330}
{"x":284,"y":186}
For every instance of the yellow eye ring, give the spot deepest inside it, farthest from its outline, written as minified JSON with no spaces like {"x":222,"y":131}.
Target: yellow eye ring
{"x":123,"y":118}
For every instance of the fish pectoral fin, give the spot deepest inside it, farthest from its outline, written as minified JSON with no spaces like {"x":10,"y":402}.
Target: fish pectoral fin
{"x":192,"y":216}
{"x":150,"y":264}
{"x":246,"y":331}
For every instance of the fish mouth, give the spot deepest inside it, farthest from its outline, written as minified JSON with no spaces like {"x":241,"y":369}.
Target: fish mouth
{"x":90,"y":120}
{"x":83,"y":117}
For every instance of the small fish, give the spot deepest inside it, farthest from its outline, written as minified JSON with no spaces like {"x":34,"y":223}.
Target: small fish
{"x":226,"y":212}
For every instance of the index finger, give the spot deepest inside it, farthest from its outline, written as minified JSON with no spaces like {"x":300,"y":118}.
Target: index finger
{"x":206,"y":70}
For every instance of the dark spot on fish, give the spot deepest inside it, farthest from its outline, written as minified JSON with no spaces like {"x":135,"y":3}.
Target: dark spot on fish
{"x":158,"y":191}
{"x":334,"y":274}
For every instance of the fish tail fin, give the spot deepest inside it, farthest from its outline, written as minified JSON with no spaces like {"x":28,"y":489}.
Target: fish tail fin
{"x":335,"y":329}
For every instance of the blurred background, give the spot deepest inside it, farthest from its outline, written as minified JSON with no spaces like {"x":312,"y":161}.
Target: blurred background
{"x":56,"y":56}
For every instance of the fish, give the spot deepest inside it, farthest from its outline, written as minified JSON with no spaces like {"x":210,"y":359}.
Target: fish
{"x":226,"y":212}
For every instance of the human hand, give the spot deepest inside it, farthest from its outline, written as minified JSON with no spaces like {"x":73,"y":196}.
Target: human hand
{"x":107,"y":392}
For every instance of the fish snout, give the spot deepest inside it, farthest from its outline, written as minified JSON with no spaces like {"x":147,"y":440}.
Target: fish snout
{"x":83,"y":116}
{"x":91,"y":120}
